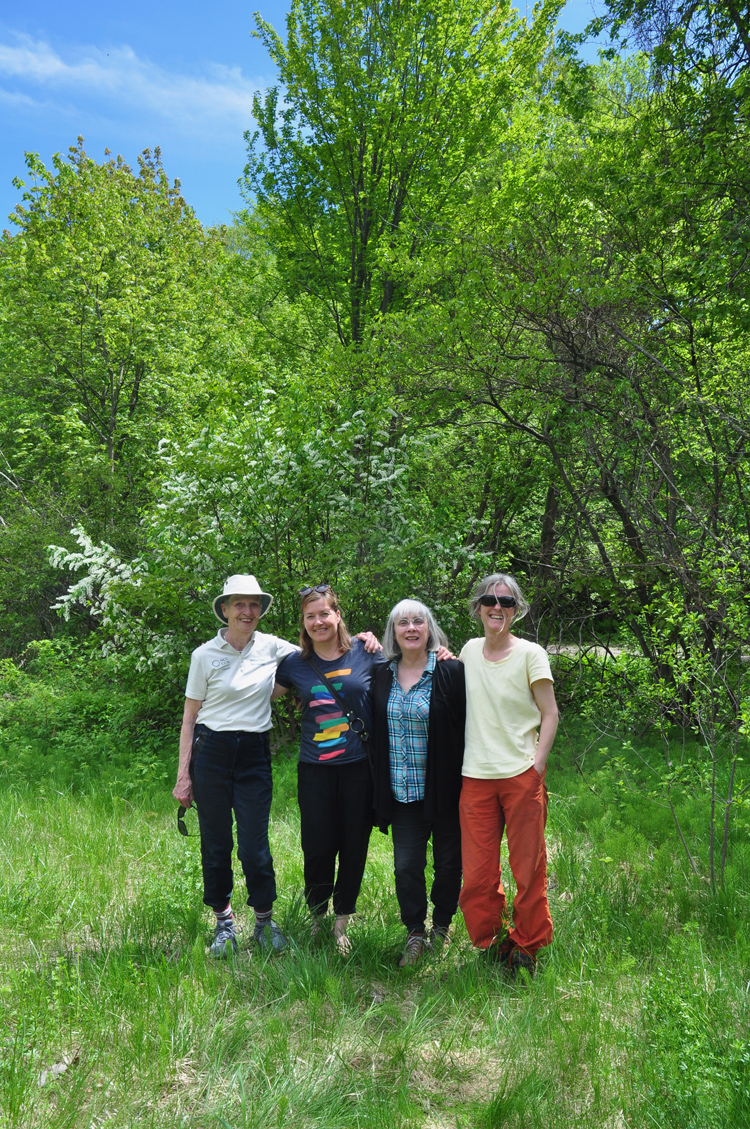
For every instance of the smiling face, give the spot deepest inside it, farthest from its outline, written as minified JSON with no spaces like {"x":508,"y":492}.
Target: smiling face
{"x":242,"y":613}
{"x":496,"y":620}
{"x":321,"y":621}
{"x":411,"y":632}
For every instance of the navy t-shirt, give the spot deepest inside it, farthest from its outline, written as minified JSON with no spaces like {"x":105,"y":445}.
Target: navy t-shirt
{"x":326,"y":735}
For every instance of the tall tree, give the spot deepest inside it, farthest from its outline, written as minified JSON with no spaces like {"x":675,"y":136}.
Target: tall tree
{"x":386,"y":106}
{"x":106,"y":304}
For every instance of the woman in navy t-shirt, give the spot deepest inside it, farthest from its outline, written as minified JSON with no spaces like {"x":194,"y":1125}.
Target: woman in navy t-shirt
{"x":334,"y":784}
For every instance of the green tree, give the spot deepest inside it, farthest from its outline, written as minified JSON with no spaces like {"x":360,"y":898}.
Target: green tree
{"x":111,"y":297}
{"x":106,"y":307}
{"x":386,"y":105}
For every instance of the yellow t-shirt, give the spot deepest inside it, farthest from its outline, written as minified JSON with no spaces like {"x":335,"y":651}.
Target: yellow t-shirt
{"x":501,"y":715}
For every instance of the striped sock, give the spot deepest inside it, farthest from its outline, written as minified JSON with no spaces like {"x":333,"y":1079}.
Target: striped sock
{"x":224,"y":916}
{"x":264,"y":917}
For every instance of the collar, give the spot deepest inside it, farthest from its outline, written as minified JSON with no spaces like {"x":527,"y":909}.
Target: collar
{"x":431,"y":660}
{"x":221,"y":640}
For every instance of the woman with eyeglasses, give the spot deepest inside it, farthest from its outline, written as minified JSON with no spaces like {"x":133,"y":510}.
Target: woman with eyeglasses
{"x":331,"y":675}
{"x":511,"y":721}
{"x":419,"y":713}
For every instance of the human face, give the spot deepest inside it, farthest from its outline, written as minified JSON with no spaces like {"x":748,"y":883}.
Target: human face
{"x":496,"y":620}
{"x":411,"y":633}
{"x":243,"y":613}
{"x":321,"y":621}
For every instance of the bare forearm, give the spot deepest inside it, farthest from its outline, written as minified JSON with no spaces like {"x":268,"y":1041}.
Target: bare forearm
{"x":187,"y":733}
{"x":547,"y":731}
{"x":544,"y":695}
{"x":183,"y":789}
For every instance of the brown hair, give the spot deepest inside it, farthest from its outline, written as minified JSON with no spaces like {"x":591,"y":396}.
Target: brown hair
{"x":305,"y":642}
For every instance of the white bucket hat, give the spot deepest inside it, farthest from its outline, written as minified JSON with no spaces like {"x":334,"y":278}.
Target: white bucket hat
{"x":241,"y":584}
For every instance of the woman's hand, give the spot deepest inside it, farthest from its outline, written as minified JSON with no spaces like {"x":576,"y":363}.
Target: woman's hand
{"x":443,"y":653}
{"x":372,"y":646}
{"x":183,"y":791}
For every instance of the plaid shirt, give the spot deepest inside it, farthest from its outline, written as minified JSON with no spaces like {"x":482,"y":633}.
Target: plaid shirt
{"x":408,"y":714}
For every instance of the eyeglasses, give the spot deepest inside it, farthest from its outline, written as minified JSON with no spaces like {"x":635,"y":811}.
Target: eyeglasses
{"x":181,"y":820}
{"x":321,"y":588}
{"x":489,"y":601}
{"x":416,"y":620}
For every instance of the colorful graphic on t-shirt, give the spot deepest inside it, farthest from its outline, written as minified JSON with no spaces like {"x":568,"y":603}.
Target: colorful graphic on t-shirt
{"x":333,"y":724}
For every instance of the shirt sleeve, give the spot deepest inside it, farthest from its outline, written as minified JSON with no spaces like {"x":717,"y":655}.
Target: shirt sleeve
{"x":538,"y":665}
{"x":197,"y":687}
{"x":283,"y":649}
{"x":284,"y":675}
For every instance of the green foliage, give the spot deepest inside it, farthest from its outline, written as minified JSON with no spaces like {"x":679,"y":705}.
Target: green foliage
{"x":101,"y":295}
{"x":66,"y":719}
{"x":385,"y":107}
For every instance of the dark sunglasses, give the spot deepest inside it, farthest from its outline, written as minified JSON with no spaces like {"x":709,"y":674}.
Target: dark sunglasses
{"x":181,"y":820}
{"x":322,"y":588}
{"x":489,"y":601}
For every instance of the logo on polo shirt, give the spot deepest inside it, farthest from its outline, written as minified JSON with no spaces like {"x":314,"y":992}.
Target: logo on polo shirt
{"x":221,"y":664}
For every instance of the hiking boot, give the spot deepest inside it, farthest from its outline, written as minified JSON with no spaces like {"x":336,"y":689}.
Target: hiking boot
{"x":413,"y":950}
{"x":225,"y":939}
{"x":522,"y":965}
{"x":499,"y":952}
{"x":269,"y":937}
{"x":440,"y":937}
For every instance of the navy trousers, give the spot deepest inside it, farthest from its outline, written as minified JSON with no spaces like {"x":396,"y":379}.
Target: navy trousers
{"x":231,"y":772}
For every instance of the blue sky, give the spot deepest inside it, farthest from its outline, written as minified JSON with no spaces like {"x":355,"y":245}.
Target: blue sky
{"x":131,"y":76}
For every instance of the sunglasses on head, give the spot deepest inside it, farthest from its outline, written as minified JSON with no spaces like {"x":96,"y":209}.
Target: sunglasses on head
{"x":321,"y":588}
{"x":489,"y":601}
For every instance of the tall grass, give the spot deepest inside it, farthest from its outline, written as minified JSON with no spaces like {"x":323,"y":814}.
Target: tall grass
{"x":114,"y":1015}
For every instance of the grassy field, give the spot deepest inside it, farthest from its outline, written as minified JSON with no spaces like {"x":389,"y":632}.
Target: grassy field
{"x":113,"y":1015}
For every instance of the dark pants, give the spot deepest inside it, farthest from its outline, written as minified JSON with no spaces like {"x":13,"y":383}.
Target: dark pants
{"x":411,"y":833}
{"x":335,"y":804}
{"x":231,"y":771}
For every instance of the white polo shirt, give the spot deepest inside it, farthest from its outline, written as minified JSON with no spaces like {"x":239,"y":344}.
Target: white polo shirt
{"x":235,"y":686}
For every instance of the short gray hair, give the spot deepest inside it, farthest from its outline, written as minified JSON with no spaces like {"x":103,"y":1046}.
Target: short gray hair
{"x":489,"y":584}
{"x":435,"y":637}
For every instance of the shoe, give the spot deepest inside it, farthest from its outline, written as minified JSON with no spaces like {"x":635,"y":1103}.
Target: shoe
{"x":413,"y":950}
{"x":225,"y":939}
{"x":500,"y":951}
{"x":269,"y":937}
{"x":440,"y":937}
{"x":341,"y":940}
{"x":521,"y":965}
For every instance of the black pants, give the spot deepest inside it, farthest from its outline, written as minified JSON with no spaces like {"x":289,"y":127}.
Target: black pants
{"x":411,"y":833}
{"x":231,"y":771}
{"x":335,"y":804}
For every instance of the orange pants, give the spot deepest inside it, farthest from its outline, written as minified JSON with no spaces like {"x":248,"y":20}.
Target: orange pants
{"x":517,"y":805}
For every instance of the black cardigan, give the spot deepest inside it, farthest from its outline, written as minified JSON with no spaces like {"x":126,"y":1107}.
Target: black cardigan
{"x":445,"y":741}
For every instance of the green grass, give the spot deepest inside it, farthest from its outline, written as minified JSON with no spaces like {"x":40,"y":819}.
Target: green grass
{"x":113,"y":1015}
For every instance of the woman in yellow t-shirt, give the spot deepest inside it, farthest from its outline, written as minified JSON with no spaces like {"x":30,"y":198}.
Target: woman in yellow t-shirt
{"x":511,"y":721}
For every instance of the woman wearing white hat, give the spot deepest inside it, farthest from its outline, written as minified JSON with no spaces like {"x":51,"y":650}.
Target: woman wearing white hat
{"x":225,"y":758}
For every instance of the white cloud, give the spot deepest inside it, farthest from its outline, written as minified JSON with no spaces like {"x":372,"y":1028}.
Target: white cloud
{"x":117,"y":82}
